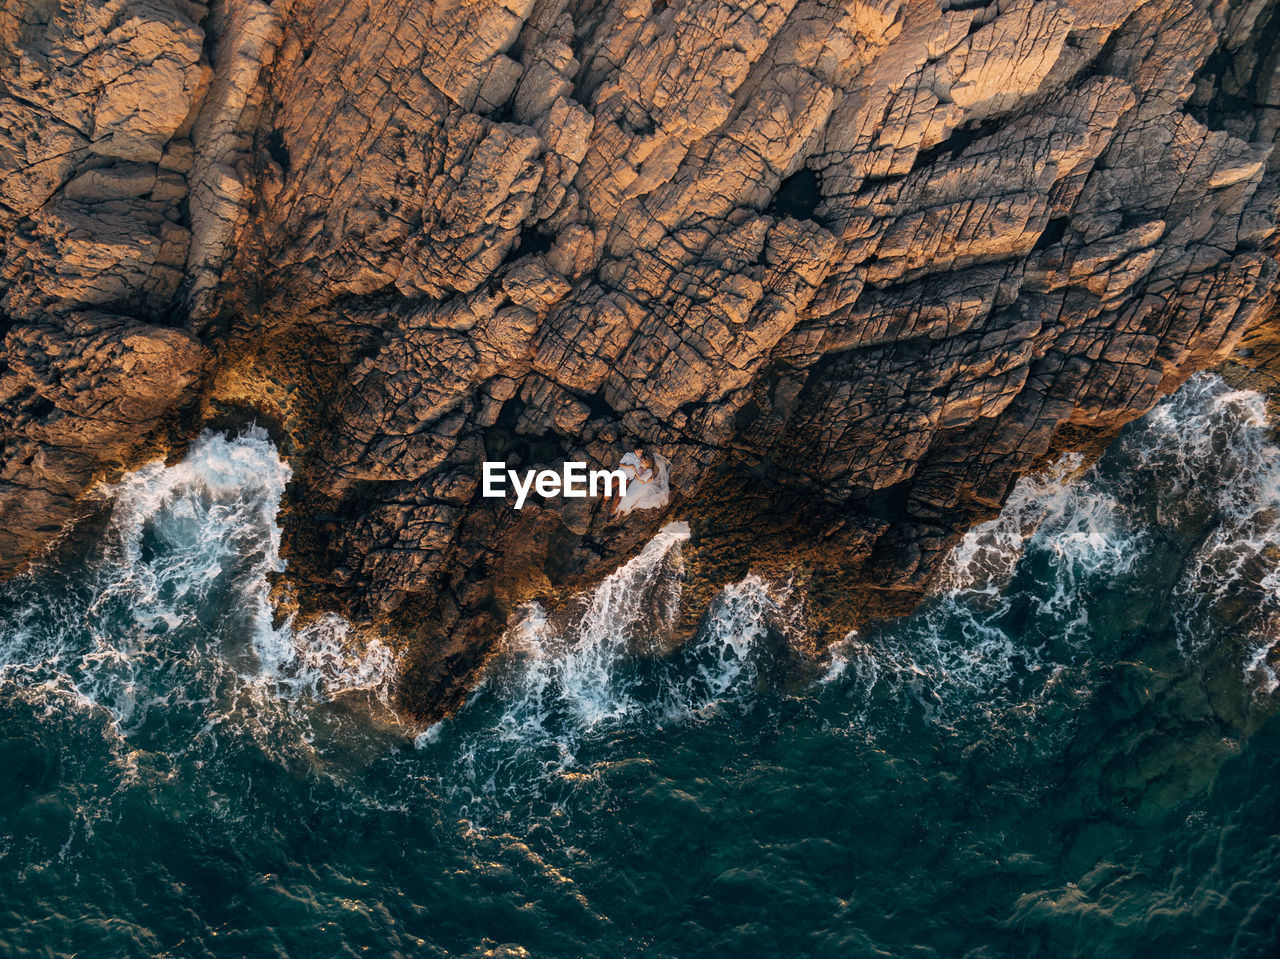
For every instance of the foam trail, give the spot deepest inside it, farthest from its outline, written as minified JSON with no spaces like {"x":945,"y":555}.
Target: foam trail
{"x":1200,"y":472}
{"x":567,"y":684}
{"x":173,"y":618}
{"x":572,"y":670}
{"x":606,"y":667}
{"x":964,"y":641}
{"x":1211,"y":452}
{"x":721,"y":658}
{"x":1064,"y":512}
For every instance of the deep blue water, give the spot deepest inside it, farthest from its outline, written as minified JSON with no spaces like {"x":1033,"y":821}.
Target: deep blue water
{"x":1070,"y":750}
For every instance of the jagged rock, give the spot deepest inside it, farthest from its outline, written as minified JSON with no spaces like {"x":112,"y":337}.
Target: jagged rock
{"x":851,"y":267}
{"x":75,"y":400}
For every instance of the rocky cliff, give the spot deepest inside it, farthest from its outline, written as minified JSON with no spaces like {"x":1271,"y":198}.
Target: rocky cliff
{"x":851,"y":267}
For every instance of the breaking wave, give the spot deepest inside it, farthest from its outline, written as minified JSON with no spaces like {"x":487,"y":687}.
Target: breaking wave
{"x":1192,"y":492}
{"x":606,"y":663}
{"x":608,"y":666}
{"x":172,"y":618}
{"x":1212,"y":459}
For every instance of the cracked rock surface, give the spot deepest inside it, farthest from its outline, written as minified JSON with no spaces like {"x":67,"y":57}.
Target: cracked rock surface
{"x":852,"y":267}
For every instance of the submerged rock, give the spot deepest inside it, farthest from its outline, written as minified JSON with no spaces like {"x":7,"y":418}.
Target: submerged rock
{"x":850,"y":267}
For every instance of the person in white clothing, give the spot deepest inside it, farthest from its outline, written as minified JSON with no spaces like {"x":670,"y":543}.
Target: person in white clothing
{"x":639,"y":465}
{"x":646,"y":483}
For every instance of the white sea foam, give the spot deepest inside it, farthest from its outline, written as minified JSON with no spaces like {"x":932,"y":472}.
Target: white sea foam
{"x":175,"y":613}
{"x":960,"y":650}
{"x":1067,"y":514}
{"x":1201,"y":464}
{"x":604,"y":665}
{"x":572,"y":669}
{"x":569,"y":681}
{"x":1212,"y":452}
{"x":323,"y":659}
{"x":721,"y":663}
{"x":991,"y":637}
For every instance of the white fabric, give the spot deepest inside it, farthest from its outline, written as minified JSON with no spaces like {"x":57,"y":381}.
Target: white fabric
{"x":653,"y":494}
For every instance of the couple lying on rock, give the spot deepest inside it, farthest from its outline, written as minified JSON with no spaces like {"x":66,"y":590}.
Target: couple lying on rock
{"x":646,"y":482}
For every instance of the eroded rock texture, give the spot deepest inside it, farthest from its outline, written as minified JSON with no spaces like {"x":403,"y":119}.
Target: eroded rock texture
{"x":851,"y":267}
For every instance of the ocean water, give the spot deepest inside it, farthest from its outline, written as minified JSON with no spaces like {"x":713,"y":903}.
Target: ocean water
{"x":1071,"y":749}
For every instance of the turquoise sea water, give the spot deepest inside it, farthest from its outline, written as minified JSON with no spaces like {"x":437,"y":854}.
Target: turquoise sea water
{"x":1071,"y":750}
